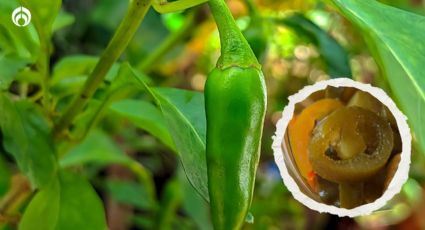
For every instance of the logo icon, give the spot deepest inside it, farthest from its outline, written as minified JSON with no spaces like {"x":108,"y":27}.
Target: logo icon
{"x":21,"y":16}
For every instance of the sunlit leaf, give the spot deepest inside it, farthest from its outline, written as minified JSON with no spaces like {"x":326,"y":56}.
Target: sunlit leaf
{"x":400,"y":48}
{"x":173,"y":21}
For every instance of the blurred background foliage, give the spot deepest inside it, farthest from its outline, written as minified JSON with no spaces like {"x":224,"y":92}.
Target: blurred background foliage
{"x":299,"y":42}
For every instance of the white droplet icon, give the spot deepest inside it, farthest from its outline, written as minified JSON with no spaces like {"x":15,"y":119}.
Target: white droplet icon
{"x":21,"y":16}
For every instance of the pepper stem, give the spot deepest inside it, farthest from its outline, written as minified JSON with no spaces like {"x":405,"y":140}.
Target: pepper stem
{"x":235,"y":50}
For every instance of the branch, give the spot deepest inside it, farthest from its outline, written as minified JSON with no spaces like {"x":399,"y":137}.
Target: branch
{"x":125,"y":32}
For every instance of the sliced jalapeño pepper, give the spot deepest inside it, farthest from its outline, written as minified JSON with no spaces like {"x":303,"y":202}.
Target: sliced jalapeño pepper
{"x":350,"y":145}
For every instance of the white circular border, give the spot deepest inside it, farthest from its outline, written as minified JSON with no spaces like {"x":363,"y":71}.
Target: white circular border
{"x":400,"y":176}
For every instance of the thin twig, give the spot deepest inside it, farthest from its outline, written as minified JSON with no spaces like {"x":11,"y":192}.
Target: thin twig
{"x":10,"y":204}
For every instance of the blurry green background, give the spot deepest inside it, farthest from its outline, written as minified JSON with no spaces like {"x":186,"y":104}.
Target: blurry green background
{"x":178,"y":50}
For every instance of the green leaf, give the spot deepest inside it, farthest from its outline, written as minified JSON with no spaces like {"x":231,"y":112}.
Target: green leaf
{"x":145,"y":116}
{"x":173,"y":21}
{"x":129,"y":193}
{"x":398,"y":37}
{"x":69,"y":202}
{"x":142,"y":221}
{"x":17,"y":41}
{"x":195,"y":207}
{"x":79,"y":65}
{"x":63,"y":20}
{"x":5,"y":175}
{"x":96,"y":148}
{"x":43,"y":14}
{"x":334,"y":55}
{"x":26,"y":135}
{"x":70,"y":73}
{"x":9,"y":67}
{"x":185,"y":116}
{"x":170,"y":201}
{"x":101,"y":14}
{"x":43,"y":210}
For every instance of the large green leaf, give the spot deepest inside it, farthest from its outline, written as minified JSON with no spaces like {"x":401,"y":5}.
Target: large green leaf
{"x":334,"y":55}
{"x":69,"y":202}
{"x":26,"y":135}
{"x":185,"y":116}
{"x":398,"y":37}
{"x":145,"y":116}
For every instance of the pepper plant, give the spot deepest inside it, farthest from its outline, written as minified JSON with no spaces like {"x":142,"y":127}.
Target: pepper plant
{"x":54,"y":123}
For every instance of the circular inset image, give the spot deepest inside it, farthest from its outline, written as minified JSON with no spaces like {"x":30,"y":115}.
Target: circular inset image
{"x":342,"y":147}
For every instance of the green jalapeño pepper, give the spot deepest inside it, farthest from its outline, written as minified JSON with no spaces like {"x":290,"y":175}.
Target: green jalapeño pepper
{"x":235,"y":103}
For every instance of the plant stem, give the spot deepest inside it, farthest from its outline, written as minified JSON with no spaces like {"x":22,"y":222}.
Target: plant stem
{"x":235,"y":50}
{"x":253,"y":12}
{"x":44,"y":66}
{"x":170,"y":200}
{"x":125,"y":32}
{"x":148,"y":63}
{"x":19,"y":191}
{"x":144,"y":177}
